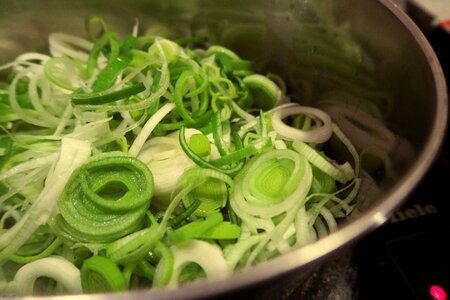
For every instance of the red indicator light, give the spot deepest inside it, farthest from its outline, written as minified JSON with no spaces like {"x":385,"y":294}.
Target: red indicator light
{"x":438,"y":293}
{"x":445,"y":25}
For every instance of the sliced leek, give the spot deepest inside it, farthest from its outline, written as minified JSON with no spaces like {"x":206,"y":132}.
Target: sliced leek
{"x":139,"y":161}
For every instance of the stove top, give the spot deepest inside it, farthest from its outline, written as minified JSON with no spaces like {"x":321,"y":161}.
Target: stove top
{"x":408,"y":257}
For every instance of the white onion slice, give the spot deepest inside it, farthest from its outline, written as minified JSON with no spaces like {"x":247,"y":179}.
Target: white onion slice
{"x":316,"y":135}
{"x":208,"y":256}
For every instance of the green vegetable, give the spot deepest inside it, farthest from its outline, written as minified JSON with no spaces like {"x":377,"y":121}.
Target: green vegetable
{"x":105,"y":199}
{"x":200,"y":145}
{"x":146,"y":162}
{"x":105,"y":97}
{"x":194,"y":229}
{"x":101,"y":275}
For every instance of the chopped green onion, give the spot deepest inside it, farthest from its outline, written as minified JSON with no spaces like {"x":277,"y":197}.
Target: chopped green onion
{"x":200,"y":161}
{"x":103,"y":97}
{"x":164,"y":269}
{"x":200,"y":145}
{"x":266,"y":94}
{"x":73,"y":153}
{"x":223,"y":230}
{"x":106,"y":198}
{"x":47,"y":252}
{"x":185,"y":214}
{"x":100,"y":275}
{"x":194,"y":229}
{"x":150,"y":162}
{"x":62,"y":72}
{"x":339,"y":173}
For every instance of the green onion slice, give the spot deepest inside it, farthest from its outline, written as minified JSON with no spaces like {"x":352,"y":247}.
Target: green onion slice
{"x":200,"y":161}
{"x":194,"y":229}
{"x":341,"y":173}
{"x":62,"y":72}
{"x":103,"y":97}
{"x":271,"y":183}
{"x":100,"y":275}
{"x":164,"y":269}
{"x":318,"y":134}
{"x":106,"y":198}
{"x":208,"y":256}
{"x":266,"y":94}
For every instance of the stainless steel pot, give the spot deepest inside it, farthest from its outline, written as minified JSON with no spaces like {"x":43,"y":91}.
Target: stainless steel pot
{"x":273,"y":33}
